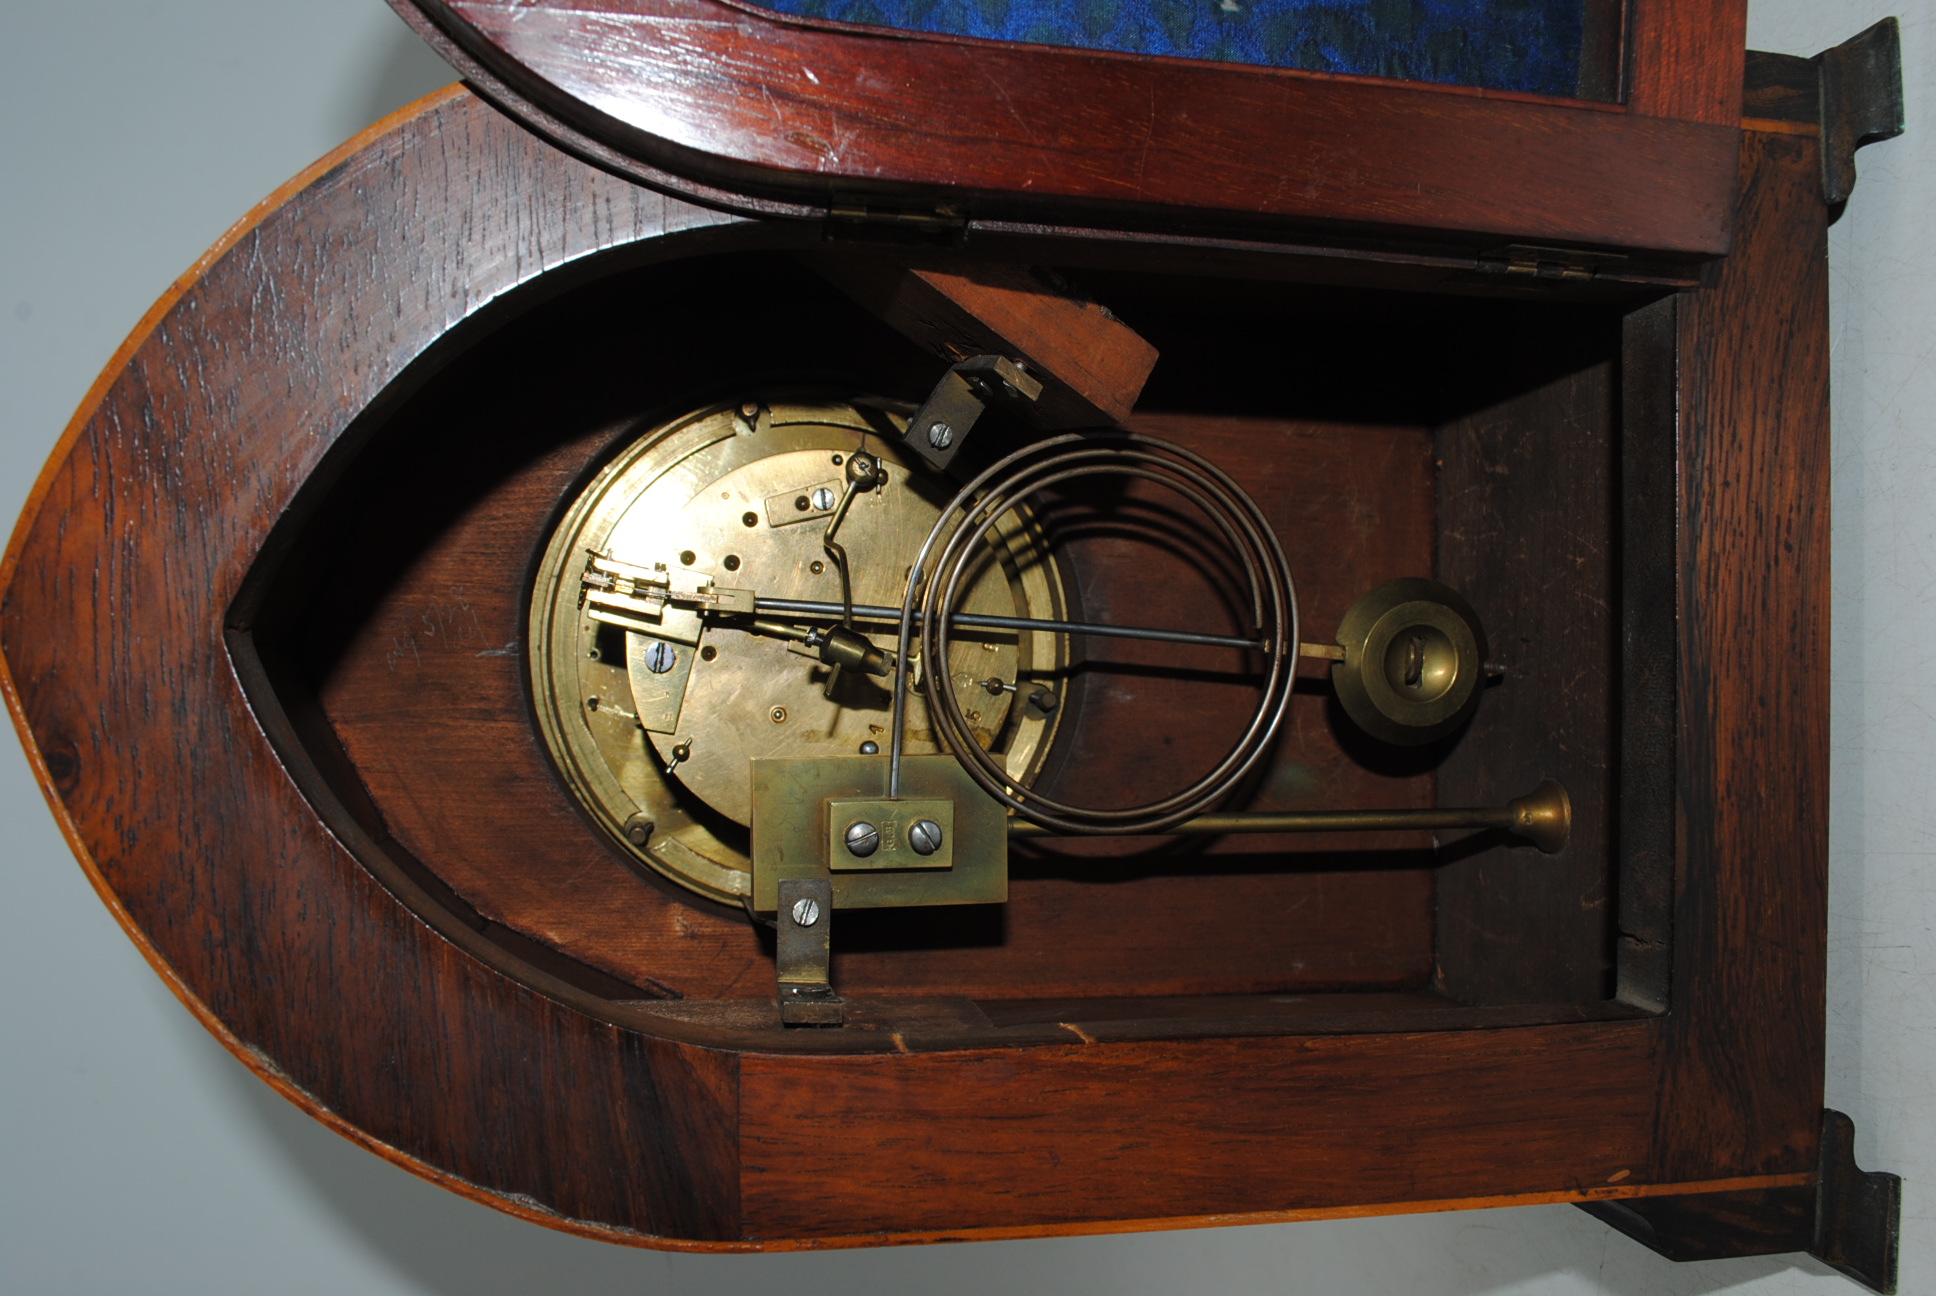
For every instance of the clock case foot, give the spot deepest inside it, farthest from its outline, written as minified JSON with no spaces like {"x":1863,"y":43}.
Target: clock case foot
{"x":1849,"y":1219}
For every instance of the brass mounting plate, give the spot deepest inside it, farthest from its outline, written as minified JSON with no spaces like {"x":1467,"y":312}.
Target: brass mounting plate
{"x":794,"y":832}
{"x":892,"y":820}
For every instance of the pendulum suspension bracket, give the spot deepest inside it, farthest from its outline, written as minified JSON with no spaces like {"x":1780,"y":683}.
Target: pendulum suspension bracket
{"x":941,"y":425}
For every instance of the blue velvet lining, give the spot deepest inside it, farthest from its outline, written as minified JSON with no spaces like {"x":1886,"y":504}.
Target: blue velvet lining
{"x":1531,"y":45}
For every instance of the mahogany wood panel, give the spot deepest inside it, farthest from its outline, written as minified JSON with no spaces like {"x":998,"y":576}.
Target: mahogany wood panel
{"x":1742,"y":1083}
{"x":1686,"y":58}
{"x":913,"y":1142}
{"x":126,"y":623}
{"x":1603,"y":50}
{"x":1779,"y":90}
{"x":1646,"y":594}
{"x":1528,"y":533}
{"x":735,"y":101}
{"x":1353,"y":506}
{"x":1091,"y":365}
{"x":136,"y":543}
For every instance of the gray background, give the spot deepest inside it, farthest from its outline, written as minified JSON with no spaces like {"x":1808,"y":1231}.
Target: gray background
{"x":137,"y":1156}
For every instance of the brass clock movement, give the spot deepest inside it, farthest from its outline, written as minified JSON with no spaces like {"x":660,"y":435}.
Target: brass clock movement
{"x":694,"y":613}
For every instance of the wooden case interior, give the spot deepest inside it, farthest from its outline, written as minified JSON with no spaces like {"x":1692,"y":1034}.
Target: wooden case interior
{"x":1507,"y":443}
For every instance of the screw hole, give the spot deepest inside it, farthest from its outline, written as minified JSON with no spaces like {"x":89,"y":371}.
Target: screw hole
{"x":731,"y":562}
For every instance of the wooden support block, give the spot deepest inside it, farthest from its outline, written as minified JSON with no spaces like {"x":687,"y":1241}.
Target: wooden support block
{"x":1092,"y":365}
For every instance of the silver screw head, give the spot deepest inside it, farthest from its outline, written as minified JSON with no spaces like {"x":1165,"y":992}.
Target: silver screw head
{"x":940,"y":435}
{"x":862,"y":839}
{"x":925,"y":836}
{"x":823,"y":498}
{"x":806,"y":911}
{"x":870,"y":748}
{"x":660,"y":658}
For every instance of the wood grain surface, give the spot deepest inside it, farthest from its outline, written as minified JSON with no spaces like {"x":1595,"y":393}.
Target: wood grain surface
{"x":1742,"y":1082}
{"x":1647,"y":598}
{"x":208,"y":815}
{"x":1686,"y":58}
{"x":1091,"y":365}
{"x":137,"y":544}
{"x":717,"y":100}
{"x":1528,"y":518}
{"x":1126,"y":1135}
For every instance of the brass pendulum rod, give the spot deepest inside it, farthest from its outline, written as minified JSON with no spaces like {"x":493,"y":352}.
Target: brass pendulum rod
{"x":1543,"y":817}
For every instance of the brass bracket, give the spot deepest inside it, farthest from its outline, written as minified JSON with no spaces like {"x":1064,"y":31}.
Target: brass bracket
{"x":943,"y":422}
{"x":658,"y":670}
{"x":802,"y":809}
{"x":804,"y":954}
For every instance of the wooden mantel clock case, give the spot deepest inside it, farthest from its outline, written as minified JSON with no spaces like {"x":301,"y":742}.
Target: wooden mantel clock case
{"x":761,"y":632}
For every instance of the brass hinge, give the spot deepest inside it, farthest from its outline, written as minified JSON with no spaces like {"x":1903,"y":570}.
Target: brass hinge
{"x":1531,"y":261}
{"x":939,"y":218}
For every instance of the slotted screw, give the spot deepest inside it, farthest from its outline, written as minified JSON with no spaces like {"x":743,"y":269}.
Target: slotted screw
{"x":925,"y":836}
